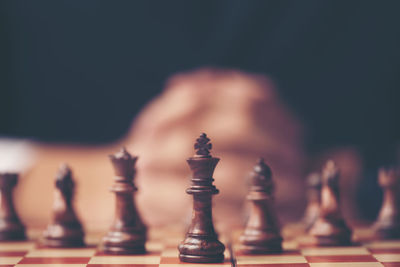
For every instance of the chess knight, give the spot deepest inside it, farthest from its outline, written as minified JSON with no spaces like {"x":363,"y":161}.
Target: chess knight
{"x":330,"y":229}
{"x":65,"y":229}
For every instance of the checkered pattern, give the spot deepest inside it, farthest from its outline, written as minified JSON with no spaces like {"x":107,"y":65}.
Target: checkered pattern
{"x":163,"y":251}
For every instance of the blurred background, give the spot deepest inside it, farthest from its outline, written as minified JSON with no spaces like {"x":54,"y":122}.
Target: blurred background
{"x":74,"y":75}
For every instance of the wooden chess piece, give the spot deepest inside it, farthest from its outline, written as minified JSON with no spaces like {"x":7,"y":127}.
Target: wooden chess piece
{"x":201,"y":244}
{"x":387,"y":225}
{"x":11,"y":227}
{"x":330,"y":229}
{"x":65,"y":229}
{"x":262,"y":232}
{"x":311,"y":214}
{"x":127,"y":234}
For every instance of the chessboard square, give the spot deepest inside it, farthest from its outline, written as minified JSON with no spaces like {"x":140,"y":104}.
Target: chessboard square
{"x":122,"y":265}
{"x":384,"y":244}
{"x":270,"y":259}
{"x":137,"y":259}
{"x":153,"y":246}
{"x":10,"y":260}
{"x":275,"y":265}
{"x":334,"y":251}
{"x":54,"y":260}
{"x":176,"y":261}
{"x":13,"y":253}
{"x":170,"y":253}
{"x":16,"y":246}
{"x":387,"y":257}
{"x":52,"y":265}
{"x":290,"y":245}
{"x":384,"y":250}
{"x":49,"y":253}
{"x":346,"y":264}
{"x":391,"y":264}
{"x":341,"y":258}
{"x":184,"y":264}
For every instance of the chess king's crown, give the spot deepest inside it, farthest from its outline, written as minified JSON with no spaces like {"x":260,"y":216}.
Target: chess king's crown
{"x":123,"y":163}
{"x":202,"y":165}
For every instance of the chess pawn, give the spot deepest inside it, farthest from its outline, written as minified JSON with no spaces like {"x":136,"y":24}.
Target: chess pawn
{"x":65,"y":229}
{"x":313,"y":199}
{"x":262,"y":232}
{"x":387,"y":225}
{"x":11,"y":227}
{"x":330,"y":229}
{"x":127,"y":234}
{"x":201,"y":244}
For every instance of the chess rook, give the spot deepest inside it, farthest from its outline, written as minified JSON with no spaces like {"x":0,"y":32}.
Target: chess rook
{"x":65,"y":229}
{"x":127,"y":234}
{"x":387,"y":225}
{"x":313,"y":199}
{"x":330,"y":229}
{"x":201,"y":244}
{"x":262,"y":232}
{"x":11,"y":227}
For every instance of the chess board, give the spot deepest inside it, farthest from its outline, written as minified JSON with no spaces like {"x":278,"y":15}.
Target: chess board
{"x":162,"y":251}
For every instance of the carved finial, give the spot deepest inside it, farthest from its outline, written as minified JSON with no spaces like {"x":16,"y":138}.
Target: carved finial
{"x":202,"y":146}
{"x":389,"y":176}
{"x":330,"y":174}
{"x":262,"y":168}
{"x":64,"y":180}
{"x":314,"y":180}
{"x":123,"y":154}
{"x":261,"y":178}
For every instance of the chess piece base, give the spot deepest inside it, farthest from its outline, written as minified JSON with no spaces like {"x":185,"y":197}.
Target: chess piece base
{"x":387,"y":232}
{"x":62,"y":243}
{"x":123,"y":243}
{"x":12,"y":236}
{"x":62,"y":236}
{"x":202,"y":259}
{"x":259,"y":242}
{"x":326,"y":233}
{"x":201,"y":250}
{"x":269,"y":248}
{"x":12,"y":232}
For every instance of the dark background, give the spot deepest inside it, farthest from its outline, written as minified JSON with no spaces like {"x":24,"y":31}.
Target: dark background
{"x":79,"y":71}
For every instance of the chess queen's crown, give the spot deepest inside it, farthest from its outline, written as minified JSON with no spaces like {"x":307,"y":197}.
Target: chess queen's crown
{"x":123,"y":163}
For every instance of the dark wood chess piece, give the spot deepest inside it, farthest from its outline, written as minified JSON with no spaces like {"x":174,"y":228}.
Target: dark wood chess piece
{"x":314,"y":185}
{"x":201,"y":244}
{"x":65,"y":229}
{"x":387,"y":225}
{"x":11,"y":227}
{"x":330,"y":229}
{"x":262,"y":232}
{"x":127,"y":234}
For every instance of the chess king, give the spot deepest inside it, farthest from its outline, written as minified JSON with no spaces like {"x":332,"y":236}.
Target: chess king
{"x":128,"y":233}
{"x":201,"y":244}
